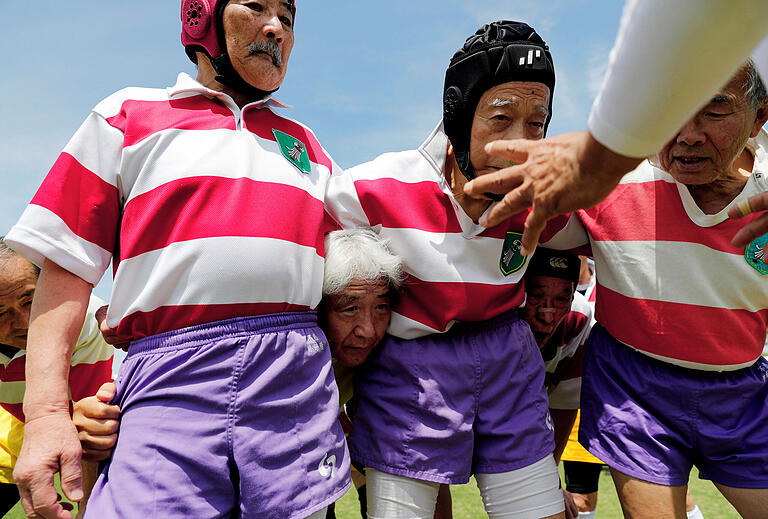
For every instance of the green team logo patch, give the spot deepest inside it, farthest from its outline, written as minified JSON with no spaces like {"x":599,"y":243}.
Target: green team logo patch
{"x":294,"y":150}
{"x":756,"y":255}
{"x":511,"y":259}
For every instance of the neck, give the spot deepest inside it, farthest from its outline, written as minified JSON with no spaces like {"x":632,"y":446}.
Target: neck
{"x":715,"y":196}
{"x":206,"y":76}
{"x":473,"y":207}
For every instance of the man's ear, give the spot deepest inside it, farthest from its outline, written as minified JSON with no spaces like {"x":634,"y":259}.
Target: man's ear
{"x":760,"y":118}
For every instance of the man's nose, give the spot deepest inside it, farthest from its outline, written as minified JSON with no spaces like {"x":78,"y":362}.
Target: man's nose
{"x":273,"y":29}
{"x":692,"y":133}
{"x":364,"y":327}
{"x":547,"y":314}
{"x":20,"y":320}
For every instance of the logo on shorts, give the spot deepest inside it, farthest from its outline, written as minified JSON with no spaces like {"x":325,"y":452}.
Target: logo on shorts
{"x":327,"y":467}
{"x":550,"y":426}
{"x":756,"y":255}
{"x":511,"y":259}
{"x":314,"y":344}
{"x":294,"y":150}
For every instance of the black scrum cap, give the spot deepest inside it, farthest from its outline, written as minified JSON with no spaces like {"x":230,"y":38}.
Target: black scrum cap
{"x":497,"y":53}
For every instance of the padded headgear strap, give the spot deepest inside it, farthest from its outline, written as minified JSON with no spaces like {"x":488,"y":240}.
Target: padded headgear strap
{"x":497,"y":53}
{"x":202,"y":29}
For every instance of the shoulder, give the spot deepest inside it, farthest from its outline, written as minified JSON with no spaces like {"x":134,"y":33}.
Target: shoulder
{"x":404,"y":166}
{"x":113,"y":104}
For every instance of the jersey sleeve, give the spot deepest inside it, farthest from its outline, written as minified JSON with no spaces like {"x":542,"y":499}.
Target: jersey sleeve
{"x":91,"y":364}
{"x":566,"y":236}
{"x":73,"y":218}
{"x":343,"y":203}
{"x":668,"y":60}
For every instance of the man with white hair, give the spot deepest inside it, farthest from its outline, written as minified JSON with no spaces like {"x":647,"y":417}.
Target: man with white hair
{"x":361,"y":280}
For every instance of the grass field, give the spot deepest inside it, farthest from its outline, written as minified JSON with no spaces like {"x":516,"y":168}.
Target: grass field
{"x":468,"y":505}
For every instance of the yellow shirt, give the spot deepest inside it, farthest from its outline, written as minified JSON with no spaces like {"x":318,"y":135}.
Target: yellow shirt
{"x":11,"y":436}
{"x":573,"y":449}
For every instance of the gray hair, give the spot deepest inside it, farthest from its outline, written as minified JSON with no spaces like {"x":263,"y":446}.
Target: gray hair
{"x":359,"y":254}
{"x":7,"y":253}
{"x":754,"y":88}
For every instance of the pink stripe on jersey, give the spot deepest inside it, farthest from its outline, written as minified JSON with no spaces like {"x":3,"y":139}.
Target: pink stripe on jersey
{"x":714,"y":336}
{"x":167,"y":318}
{"x":88,"y":205}
{"x":646,"y":212}
{"x":435,"y":304}
{"x":141,"y":119}
{"x":207,"y":207}
{"x":86,"y":379}
{"x":402,"y":205}
{"x":14,"y":371}
{"x":262,"y":121}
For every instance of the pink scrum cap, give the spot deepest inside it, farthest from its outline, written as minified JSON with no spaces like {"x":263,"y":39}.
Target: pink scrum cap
{"x":200,"y":25}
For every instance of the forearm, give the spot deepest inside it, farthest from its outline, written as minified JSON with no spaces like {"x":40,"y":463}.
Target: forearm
{"x":562,"y":420}
{"x":658,"y":78}
{"x":58,"y":310}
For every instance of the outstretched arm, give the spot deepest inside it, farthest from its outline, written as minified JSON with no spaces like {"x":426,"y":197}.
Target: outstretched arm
{"x":554,"y":176}
{"x":50,"y":439}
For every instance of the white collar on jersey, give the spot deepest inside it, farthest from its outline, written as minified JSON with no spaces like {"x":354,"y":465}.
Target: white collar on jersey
{"x":186,"y":85}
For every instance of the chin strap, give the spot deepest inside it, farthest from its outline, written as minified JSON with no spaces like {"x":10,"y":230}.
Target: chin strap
{"x":227,"y":75}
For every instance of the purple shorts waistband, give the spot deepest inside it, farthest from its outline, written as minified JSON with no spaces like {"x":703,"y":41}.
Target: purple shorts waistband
{"x":465,"y":328}
{"x":196,"y":335}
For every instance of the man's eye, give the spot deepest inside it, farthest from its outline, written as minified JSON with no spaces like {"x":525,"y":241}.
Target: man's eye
{"x":349,"y":309}
{"x":255,"y":6}
{"x":383,"y":306}
{"x":286,"y":21}
{"x":500,"y":117}
{"x":716,"y":115}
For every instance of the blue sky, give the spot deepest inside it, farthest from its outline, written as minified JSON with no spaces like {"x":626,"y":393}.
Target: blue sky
{"x":366,"y":76}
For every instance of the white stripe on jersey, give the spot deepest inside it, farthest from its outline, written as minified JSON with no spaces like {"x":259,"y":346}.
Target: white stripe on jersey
{"x":221,"y":261}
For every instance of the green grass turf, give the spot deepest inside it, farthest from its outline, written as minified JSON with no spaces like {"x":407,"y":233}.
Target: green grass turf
{"x":468,"y":505}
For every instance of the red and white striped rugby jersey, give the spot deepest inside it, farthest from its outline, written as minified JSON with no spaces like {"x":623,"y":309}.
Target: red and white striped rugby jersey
{"x":207,"y":211}
{"x":564,"y":355}
{"x":91,"y":366}
{"x":670,"y":284}
{"x":452,"y":264}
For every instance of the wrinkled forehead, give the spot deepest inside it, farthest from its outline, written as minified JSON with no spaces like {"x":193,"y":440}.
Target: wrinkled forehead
{"x":516,"y":92}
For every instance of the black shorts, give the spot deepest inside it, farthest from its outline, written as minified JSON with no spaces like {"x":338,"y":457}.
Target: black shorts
{"x":581,"y":477}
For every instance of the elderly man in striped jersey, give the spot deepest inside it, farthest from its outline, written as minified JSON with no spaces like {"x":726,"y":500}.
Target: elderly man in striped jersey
{"x":458,"y":386}
{"x":673,"y":374}
{"x":210,"y":206}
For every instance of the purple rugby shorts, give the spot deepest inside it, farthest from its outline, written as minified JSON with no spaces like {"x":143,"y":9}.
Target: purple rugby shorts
{"x":236,"y":418}
{"x":653,"y":420}
{"x":441,"y":407}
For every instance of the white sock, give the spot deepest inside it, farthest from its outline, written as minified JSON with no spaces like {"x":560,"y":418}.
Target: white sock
{"x":587,"y":515}
{"x":695,"y":513}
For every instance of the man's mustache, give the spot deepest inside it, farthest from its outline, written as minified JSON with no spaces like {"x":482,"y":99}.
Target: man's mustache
{"x":267,"y":47}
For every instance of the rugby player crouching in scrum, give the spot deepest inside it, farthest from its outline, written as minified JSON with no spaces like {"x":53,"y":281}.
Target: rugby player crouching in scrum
{"x":361,"y":280}
{"x":560,"y":319}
